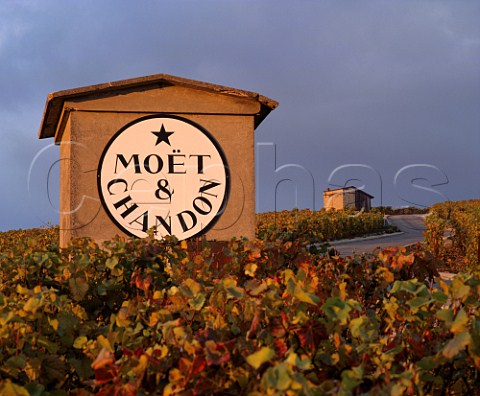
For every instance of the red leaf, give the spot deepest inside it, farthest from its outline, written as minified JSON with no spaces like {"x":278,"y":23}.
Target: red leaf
{"x":276,"y":328}
{"x":281,"y":347}
{"x":141,"y":283}
{"x":198,"y":364}
{"x":184,"y":365}
{"x":105,"y":375}
{"x":255,"y":322}
{"x":127,"y":352}
{"x":216,"y":353}
{"x":139,"y":352}
{"x":310,"y":334}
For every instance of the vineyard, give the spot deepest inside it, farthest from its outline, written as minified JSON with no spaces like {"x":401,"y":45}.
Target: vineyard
{"x":319,"y":226}
{"x":459,"y":222}
{"x":264,"y":317}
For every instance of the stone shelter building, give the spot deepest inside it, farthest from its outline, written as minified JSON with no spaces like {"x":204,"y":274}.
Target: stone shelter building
{"x":347,"y":197}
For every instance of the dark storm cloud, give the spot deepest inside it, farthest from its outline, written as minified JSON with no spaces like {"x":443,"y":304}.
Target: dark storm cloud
{"x":385,"y":84}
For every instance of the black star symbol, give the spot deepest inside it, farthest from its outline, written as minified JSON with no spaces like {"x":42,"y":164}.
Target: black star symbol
{"x":162,"y":136}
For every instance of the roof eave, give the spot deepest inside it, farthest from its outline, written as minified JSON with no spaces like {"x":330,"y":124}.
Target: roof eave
{"x":54,"y":104}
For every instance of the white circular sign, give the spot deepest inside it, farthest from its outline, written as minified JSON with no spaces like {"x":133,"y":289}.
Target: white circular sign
{"x":164,"y":173}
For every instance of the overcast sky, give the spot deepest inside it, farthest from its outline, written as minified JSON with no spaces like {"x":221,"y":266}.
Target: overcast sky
{"x":384,"y":95}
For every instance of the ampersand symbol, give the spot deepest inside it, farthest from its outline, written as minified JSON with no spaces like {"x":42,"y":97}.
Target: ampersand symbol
{"x":163,"y":192}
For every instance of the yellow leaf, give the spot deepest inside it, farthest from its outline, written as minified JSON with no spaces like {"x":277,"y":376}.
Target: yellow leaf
{"x":397,"y":390}
{"x":189,"y":348}
{"x":22,"y":290}
{"x":163,"y":349}
{"x":10,"y":389}
{"x":302,"y":295}
{"x":102,"y":341}
{"x":180,"y":335}
{"x":142,"y":365}
{"x":169,"y":390}
{"x":123,"y":313}
{"x":175,"y":375}
{"x":80,"y":312}
{"x":342,"y":290}
{"x":193,"y":286}
{"x":335,"y":358}
{"x":53,"y":297}
{"x":261,"y":356}
{"x":292,"y":359}
{"x":250,"y":269}
{"x":153,"y":319}
{"x":80,"y":342}
{"x":32,"y":305}
{"x":460,"y":323}
{"x":459,"y":289}
{"x":54,"y":323}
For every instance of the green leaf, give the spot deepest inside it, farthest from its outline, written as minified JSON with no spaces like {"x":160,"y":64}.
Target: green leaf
{"x":428,"y":363}
{"x":16,"y":362}
{"x":302,"y":363}
{"x":457,"y":344}
{"x":261,"y":356}
{"x":78,"y":288}
{"x":235,"y":292}
{"x":418,"y":302}
{"x":349,"y":380}
{"x":337,"y":309}
{"x":395,"y":350}
{"x":35,"y":389}
{"x":440,"y":297}
{"x":51,"y":346}
{"x":363,"y":327}
{"x":53,"y":369}
{"x":111,"y":262}
{"x":278,"y":377}
{"x":197,"y":302}
{"x":356,"y":327}
{"x":445,"y":314}
{"x":411,"y":286}
{"x":82,"y":366}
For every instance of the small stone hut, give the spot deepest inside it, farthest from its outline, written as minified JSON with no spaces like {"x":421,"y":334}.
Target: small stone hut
{"x":347,"y":197}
